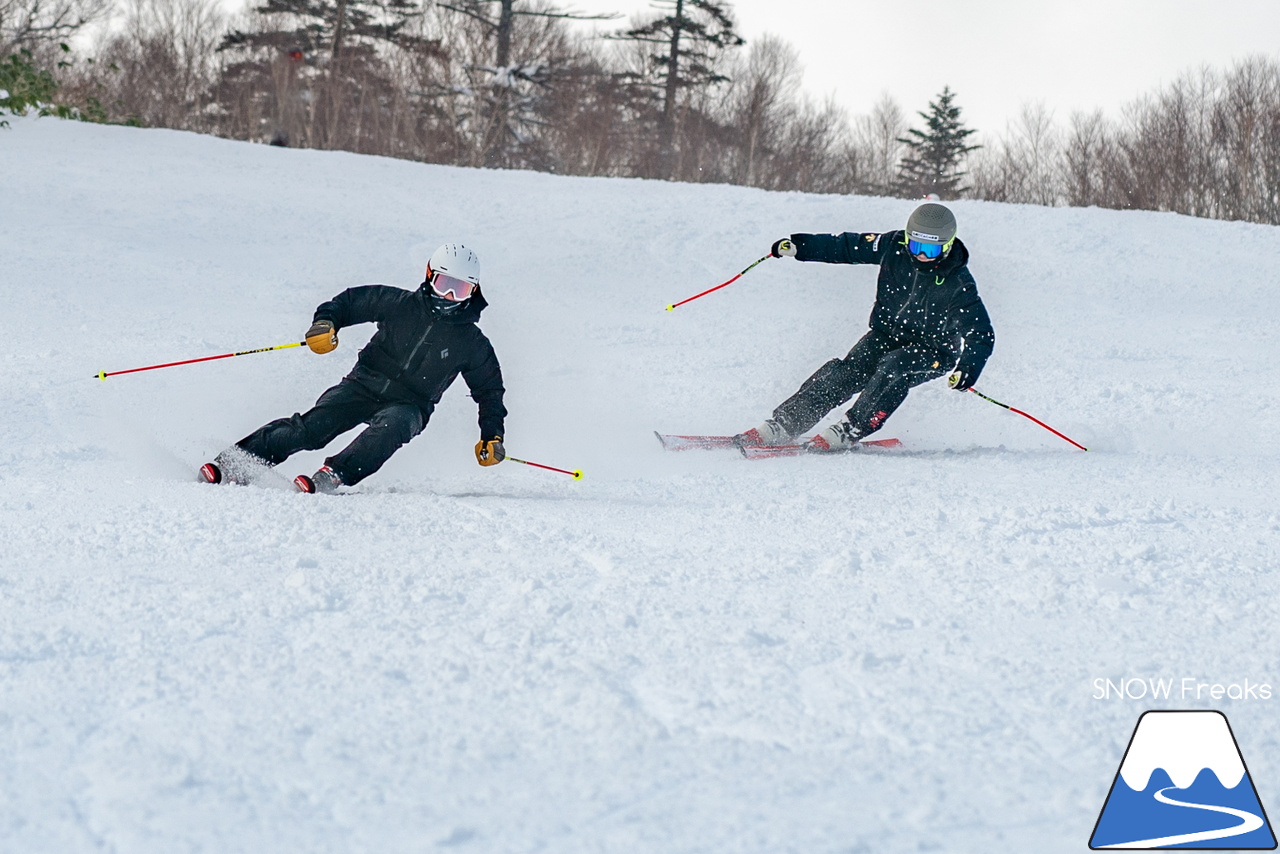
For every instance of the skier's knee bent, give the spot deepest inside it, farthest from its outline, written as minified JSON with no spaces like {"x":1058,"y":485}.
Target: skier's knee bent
{"x":388,"y":431}
{"x":278,"y":440}
{"x":895,"y":376}
{"x":829,"y":386}
{"x":401,"y":422}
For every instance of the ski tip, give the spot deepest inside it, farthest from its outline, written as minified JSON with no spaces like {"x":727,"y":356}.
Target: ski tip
{"x":661,"y":441}
{"x":304,"y":483}
{"x":210,"y":473}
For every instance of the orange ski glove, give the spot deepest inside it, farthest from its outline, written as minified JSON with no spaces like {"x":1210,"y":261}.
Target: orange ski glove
{"x":321,"y":337}
{"x":490,"y":453}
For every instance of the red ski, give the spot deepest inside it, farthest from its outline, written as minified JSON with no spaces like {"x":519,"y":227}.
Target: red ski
{"x":694,"y":443}
{"x":753,"y":452}
{"x":768,"y":452}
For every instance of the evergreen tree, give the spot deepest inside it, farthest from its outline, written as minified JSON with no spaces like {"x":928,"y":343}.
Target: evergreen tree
{"x":317,"y":67}
{"x":508,"y":112}
{"x":934,"y":156}
{"x":689,"y":39}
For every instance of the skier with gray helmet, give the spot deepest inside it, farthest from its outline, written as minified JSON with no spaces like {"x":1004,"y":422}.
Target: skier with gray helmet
{"x":425,"y":339}
{"x":927,"y":320}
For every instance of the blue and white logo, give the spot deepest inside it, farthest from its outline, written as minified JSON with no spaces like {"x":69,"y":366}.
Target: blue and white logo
{"x":1183,"y":784}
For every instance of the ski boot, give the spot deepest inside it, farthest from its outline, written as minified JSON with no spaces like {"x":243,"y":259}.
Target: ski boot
{"x":836,"y":439}
{"x":768,"y":433}
{"x":324,"y":481}
{"x":233,"y":466}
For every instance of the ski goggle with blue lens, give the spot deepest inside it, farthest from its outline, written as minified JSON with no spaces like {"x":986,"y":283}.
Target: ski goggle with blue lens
{"x":928,"y":249}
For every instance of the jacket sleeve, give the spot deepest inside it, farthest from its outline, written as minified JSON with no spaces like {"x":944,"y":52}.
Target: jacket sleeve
{"x":852,"y":247}
{"x":483,"y":375}
{"x":364,"y":304}
{"x":975,"y":329}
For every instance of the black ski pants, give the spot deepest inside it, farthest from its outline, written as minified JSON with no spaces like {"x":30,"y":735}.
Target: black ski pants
{"x":337,"y":411}
{"x":878,"y":369}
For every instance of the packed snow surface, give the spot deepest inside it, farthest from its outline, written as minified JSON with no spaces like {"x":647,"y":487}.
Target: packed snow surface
{"x":887,"y":652}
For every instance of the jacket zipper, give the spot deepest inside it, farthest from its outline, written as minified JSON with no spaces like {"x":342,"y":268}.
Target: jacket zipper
{"x":409,"y":361}
{"x":915,"y":280}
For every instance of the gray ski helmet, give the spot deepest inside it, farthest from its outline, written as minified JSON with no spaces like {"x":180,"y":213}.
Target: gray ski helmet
{"x":932,"y":223}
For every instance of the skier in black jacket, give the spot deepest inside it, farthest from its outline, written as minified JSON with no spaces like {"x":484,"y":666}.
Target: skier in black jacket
{"x":927,"y":320}
{"x":425,"y":338}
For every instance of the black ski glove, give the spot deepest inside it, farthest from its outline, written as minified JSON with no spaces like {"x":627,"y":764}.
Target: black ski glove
{"x":783,"y":247}
{"x":962,"y":378}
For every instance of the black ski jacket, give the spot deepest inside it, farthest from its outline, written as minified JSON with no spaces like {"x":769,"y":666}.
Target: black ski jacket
{"x":935,"y":305}
{"x":417,"y":352}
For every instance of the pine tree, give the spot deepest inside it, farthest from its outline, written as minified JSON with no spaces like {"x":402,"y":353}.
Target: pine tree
{"x":510,"y":99}
{"x":934,"y":157}
{"x":319,"y":71}
{"x":690,"y":37}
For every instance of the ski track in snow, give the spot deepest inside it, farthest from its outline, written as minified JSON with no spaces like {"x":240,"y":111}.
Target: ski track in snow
{"x":682,"y":652}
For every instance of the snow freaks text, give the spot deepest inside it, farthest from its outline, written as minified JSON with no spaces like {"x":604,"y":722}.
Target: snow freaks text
{"x":1186,"y":688}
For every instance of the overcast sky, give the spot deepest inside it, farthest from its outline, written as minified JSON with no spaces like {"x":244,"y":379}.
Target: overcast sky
{"x":999,"y":54}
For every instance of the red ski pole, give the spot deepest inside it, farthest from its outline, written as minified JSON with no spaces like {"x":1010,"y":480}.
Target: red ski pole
{"x":576,"y":474}
{"x":676,"y":305}
{"x":955,"y":378}
{"x":102,"y":375}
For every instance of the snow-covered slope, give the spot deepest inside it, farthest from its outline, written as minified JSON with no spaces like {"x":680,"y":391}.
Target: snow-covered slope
{"x":681,"y":652}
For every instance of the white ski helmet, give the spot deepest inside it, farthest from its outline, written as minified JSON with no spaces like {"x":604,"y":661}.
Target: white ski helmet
{"x":456,"y":260}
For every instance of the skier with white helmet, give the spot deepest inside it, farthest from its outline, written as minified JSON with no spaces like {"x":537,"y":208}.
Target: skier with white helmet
{"x":927,"y":320}
{"x":425,"y":339}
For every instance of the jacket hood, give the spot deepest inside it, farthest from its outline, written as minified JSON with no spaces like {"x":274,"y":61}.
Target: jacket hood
{"x":469,"y":312}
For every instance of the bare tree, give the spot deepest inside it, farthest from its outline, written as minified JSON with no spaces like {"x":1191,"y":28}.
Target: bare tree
{"x":39,"y":26}
{"x":157,"y":69}
{"x":876,"y":149}
{"x":1082,"y":154}
{"x":1025,"y":166}
{"x":517,"y":69}
{"x":760,"y":101}
{"x":811,"y":156}
{"x":1245,"y":121}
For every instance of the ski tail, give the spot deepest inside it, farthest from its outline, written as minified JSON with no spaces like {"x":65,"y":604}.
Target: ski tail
{"x":672,"y":442}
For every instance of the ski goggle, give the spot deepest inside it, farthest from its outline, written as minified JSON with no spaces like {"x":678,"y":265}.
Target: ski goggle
{"x":450,"y":288}
{"x":928,"y":250}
